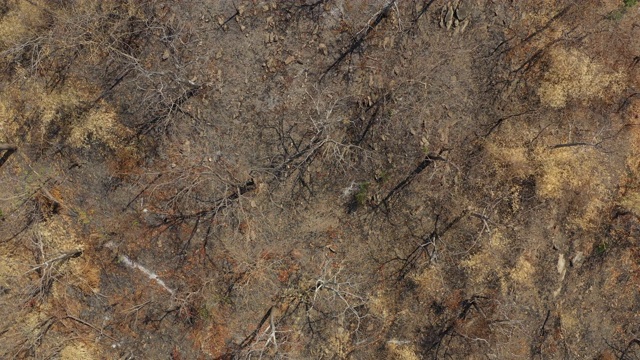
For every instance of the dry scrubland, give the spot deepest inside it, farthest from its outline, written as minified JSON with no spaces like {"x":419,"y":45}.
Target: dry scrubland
{"x":320,"y":179}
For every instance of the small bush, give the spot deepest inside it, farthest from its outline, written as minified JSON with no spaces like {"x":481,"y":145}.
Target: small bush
{"x":602,"y":248}
{"x":361,"y":195}
{"x":619,"y":13}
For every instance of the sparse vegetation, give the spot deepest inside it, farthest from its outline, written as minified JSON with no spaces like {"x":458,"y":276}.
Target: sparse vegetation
{"x":319,"y":179}
{"x":619,"y":13}
{"x":362,"y":193}
{"x":601,"y":248}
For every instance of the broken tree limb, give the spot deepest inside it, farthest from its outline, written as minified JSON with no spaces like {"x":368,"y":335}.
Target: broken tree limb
{"x":131,"y":264}
{"x":499,"y":122}
{"x":9,"y":149}
{"x":558,"y":146}
{"x":425,"y":7}
{"x":428,"y":160}
{"x":142,"y":191}
{"x":355,"y":44}
{"x":253,"y":335}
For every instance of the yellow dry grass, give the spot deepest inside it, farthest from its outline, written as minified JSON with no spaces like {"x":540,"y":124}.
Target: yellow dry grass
{"x":379,"y":306}
{"x":20,"y":330}
{"x":12,"y":266}
{"x":514,"y":160}
{"x":575,"y":170}
{"x":57,"y":234}
{"x":101,"y":124}
{"x":570,"y":321}
{"x":22,"y":99}
{"x":339,"y":343}
{"x":27,"y":97}
{"x":6,"y":113}
{"x":79,"y":351}
{"x":20,"y":23}
{"x":630,"y":190}
{"x":402,"y":352}
{"x":30,"y":97}
{"x":28,"y":318}
{"x":523,"y":272}
{"x":560,"y":173}
{"x":480,"y":265}
{"x":572,"y":75}
{"x":631,"y":201}
{"x":431,"y":281}
{"x":540,"y":14}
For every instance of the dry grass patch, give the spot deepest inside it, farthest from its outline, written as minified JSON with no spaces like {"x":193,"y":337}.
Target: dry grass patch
{"x":402,"y":351}
{"x":579,"y":171}
{"x":480,"y":266}
{"x":572,"y":75}
{"x":99,"y":124}
{"x":79,"y":350}
{"x":514,"y":161}
{"x":20,"y":23}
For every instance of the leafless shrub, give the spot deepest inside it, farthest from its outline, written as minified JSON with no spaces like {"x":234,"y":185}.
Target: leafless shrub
{"x":47,"y":271}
